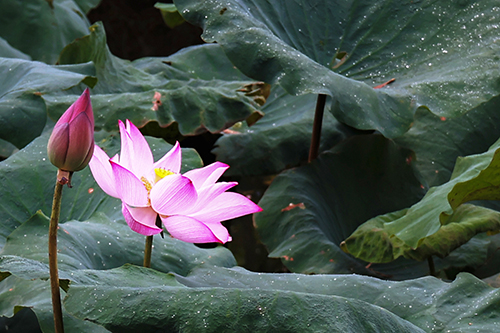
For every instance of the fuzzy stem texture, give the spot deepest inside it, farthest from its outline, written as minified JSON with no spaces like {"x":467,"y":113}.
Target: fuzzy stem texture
{"x":54,"y":276}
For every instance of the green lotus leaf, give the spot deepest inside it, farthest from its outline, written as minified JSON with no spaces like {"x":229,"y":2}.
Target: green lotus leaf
{"x":98,"y":243}
{"x":279,"y":140}
{"x":158,"y":89}
{"x":467,"y":304}
{"x":442,"y":55}
{"x":23,"y":112}
{"x":372,"y":243}
{"x":439,"y":141}
{"x":23,"y":321}
{"x":475,"y":177}
{"x":132,"y":298}
{"x":6,"y":149}
{"x":440,"y":222}
{"x":170,"y":15}
{"x":493,"y":281}
{"x":17,"y":294}
{"x":308,"y":210}
{"x":87,"y":5}
{"x":41,"y":29}
{"x":7,"y":51}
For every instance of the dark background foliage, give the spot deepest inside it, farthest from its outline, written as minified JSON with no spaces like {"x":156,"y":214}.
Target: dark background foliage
{"x":135,"y":29}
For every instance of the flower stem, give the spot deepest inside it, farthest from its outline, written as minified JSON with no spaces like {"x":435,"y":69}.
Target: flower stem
{"x":432,"y":269}
{"x":148,"y":249}
{"x":54,"y":276}
{"x":316,"y":133}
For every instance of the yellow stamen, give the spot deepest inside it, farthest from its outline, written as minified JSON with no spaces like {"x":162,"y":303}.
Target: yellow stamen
{"x":148,"y":186}
{"x":162,"y":173}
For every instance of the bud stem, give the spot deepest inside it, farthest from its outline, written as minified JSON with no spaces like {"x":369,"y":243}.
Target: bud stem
{"x":54,"y":276}
{"x":64,"y":178}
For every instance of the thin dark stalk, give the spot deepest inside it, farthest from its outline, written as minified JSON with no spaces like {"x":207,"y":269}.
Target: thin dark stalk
{"x":316,"y":134}
{"x":54,"y":276}
{"x":432,"y":269}
{"x":148,"y":249}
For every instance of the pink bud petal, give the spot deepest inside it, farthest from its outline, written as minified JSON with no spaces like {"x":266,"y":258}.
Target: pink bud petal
{"x":57,"y":148}
{"x":81,"y":142}
{"x":82,"y":104}
{"x":190,"y":230}
{"x":71,"y":143}
{"x":141,"y":220}
{"x":173,"y":195}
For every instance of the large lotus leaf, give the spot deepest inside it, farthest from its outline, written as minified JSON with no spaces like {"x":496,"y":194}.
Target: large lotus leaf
{"x":441,"y":54}
{"x":23,"y":321}
{"x":438,"y":141}
{"x":371,"y":241}
{"x":492,"y":265}
{"x":17,"y":294}
{"x":98,"y":243}
{"x":7,"y":51}
{"x":131,"y":299}
{"x":475,"y":177}
{"x":493,"y":281}
{"x":170,"y":15}
{"x":41,"y":28}
{"x":279,"y":140}
{"x":6,"y":149}
{"x":165,"y":90}
{"x":308,"y":210}
{"x":464,"y":305}
{"x":22,"y":111}
{"x":87,"y":5}
{"x":28,"y":180}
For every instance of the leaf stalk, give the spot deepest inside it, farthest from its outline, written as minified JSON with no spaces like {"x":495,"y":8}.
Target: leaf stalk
{"x":316,"y":133}
{"x":432,"y":268}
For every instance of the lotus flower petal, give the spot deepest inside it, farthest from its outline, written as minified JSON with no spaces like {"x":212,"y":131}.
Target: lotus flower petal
{"x":172,"y":160}
{"x":135,"y":153}
{"x":141,"y":220}
{"x":226,"y":206}
{"x":130,"y":189}
{"x":208,"y":193}
{"x":103,"y":172}
{"x":206,"y":175}
{"x":173,"y":195}
{"x":191,"y":230}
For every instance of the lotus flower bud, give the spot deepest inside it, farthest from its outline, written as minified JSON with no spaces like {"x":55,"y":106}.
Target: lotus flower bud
{"x":71,"y":143}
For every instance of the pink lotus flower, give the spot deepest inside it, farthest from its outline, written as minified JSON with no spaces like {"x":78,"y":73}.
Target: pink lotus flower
{"x":191,"y":206}
{"x":71,"y":143}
